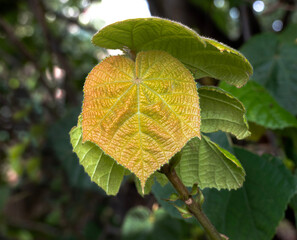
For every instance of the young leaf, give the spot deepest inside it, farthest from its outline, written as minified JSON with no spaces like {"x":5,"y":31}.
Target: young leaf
{"x":255,"y":210}
{"x":141,"y":113}
{"x":209,"y":165}
{"x":203,"y":56}
{"x":222,"y":111}
{"x":101,"y":168}
{"x":261,"y":106}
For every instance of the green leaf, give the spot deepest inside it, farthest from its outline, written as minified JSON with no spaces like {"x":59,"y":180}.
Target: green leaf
{"x":142,"y":224}
{"x":290,"y":143}
{"x":5,"y":192}
{"x":148,"y":185}
{"x":289,"y":34}
{"x":206,"y":163}
{"x":261,"y":106}
{"x":156,"y":176}
{"x":101,"y":168}
{"x":293,"y":205}
{"x":203,"y":56}
{"x":275,"y":66}
{"x":254,"y":211}
{"x":161,"y":178}
{"x":222,"y":111}
{"x":163,"y":192}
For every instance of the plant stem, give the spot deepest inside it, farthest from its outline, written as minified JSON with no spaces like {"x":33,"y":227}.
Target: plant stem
{"x":193,"y":206}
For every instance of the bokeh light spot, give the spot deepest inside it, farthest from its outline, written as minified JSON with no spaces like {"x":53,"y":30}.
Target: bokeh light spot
{"x":277,"y":25}
{"x":258,"y":6}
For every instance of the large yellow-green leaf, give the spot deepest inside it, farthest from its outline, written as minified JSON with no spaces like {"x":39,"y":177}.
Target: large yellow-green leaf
{"x":203,"y":56}
{"x":209,"y":165}
{"x":141,"y":113}
{"x":101,"y":168}
{"x":221,"y":111}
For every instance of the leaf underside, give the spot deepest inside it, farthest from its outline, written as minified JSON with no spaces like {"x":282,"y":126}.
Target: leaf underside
{"x":203,"y":56}
{"x":140,"y":113}
{"x":102,"y":169}
{"x":222,"y":111}
{"x":209,"y":165}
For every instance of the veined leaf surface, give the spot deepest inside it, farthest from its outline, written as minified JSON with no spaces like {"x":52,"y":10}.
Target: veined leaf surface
{"x":206,"y":163}
{"x":203,"y":56}
{"x":141,"y":113}
{"x":222,"y":111}
{"x":102,"y":169}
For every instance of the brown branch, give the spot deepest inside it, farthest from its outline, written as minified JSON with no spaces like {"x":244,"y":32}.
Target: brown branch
{"x":193,"y":206}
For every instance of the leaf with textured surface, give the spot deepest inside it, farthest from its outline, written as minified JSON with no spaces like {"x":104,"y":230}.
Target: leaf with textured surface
{"x":140,"y":113}
{"x":203,"y":56}
{"x":102,"y":169}
{"x":164,"y":192}
{"x":209,"y":165}
{"x":275,"y":66}
{"x":254,"y":211}
{"x":222,"y":111}
{"x":261,"y":106}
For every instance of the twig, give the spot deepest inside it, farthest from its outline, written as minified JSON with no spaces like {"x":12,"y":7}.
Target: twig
{"x":193,"y":206}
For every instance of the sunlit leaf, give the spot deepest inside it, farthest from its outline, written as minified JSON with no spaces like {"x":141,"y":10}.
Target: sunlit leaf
{"x":101,"y":168}
{"x":209,"y":165}
{"x":141,"y":113}
{"x":222,"y":111}
{"x":203,"y":56}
